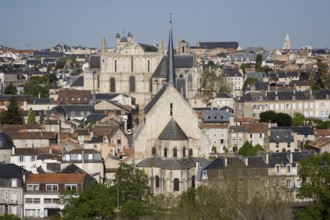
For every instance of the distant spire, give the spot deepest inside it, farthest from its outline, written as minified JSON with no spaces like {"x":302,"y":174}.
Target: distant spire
{"x":104,"y":47}
{"x":171,"y":71}
{"x":286,"y":45}
{"x":161,"y":46}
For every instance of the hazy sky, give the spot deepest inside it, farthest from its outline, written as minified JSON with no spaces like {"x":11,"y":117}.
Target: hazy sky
{"x":44,"y":23}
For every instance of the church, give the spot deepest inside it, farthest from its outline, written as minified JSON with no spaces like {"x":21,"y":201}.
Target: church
{"x":169,"y":145}
{"x":139,"y":69}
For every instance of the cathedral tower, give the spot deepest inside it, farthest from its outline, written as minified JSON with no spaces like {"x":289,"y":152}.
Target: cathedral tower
{"x":286,"y":45}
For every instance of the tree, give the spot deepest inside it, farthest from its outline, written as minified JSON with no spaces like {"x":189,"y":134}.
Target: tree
{"x":321,"y":78}
{"x":97,"y":201}
{"x":267,"y":116}
{"x":259,"y":63}
{"x":9,"y":217}
{"x":249,"y":82}
{"x":283,"y":119}
{"x":314,"y":172}
{"x":134,"y":191}
{"x":244,"y":66}
{"x":42,"y":117}
{"x":298,"y":119}
{"x":39,"y":85}
{"x":10,"y":89}
{"x":248,"y":150}
{"x":13,"y":113}
{"x":31,"y":117}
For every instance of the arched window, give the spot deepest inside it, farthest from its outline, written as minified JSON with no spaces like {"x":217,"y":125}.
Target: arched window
{"x":171,"y":109}
{"x":90,"y":156}
{"x":132,"y":84}
{"x":157,"y":181}
{"x":79,"y":156}
{"x":112,"y":84}
{"x":67,"y":157}
{"x":184,"y":152}
{"x":175,"y":152}
{"x":193,"y":183}
{"x":165,"y":152}
{"x":115,"y":66}
{"x":148,"y":66}
{"x":190,"y":152}
{"x":153,"y":151}
{"x":132,"y":64}
{"x":176,"y":184}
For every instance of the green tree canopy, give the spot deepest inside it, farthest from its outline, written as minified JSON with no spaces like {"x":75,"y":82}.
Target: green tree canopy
{"x":298,"y":119}
{"x":249,"y":82}
{"x":10,"y":89}
{"x":321,"y":77}
{"x":13,"y":113}
{"x":31,"y":117}
{"x":259,"y":63}
{"x":39,"y":85}
{"x":314,"y":172}
{"x":244,"y":66}
{"x":282,"y":119}
{"x":248,"y":150}
{"x":97,"y":201}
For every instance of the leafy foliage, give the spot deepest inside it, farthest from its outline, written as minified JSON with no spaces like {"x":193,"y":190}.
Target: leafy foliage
{"x":315,"y":175}
{"x":39,"y":85}
{"x":248,"y":150}
{"x":298,"y":119}
{"x":321,"y":77}
{"x":244,"y":66}
{"x":100,"y":201}
{"x":259,"y":63}
{"x":282,"y":119}
{"x":31,"y":117}
{"x":249,"y":82}
{"x":10,"y":89}
{"x":9,"y":217}
{"x":13,"y":113}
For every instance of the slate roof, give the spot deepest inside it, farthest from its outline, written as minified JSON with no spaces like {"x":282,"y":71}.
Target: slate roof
{"x":215,"y":116}
{"x":180,"y":61}
{"x":280,"y":135}
{"x":236,"y":129}
{"x":172,"y":131}
{"x":78,"y":82}
{"x":302,"y":130}
{"x":94,"y":117}
{"x":148,"y":48}
{"x":154,"y":100}
{"x":283,"y":158}
{"x":6,"y":142}
{"x":213,"y":45}
{"x":105,"y":96}
{"x":222,"y":95}
{"x":9,"y":171}
{"x":230,"y":72}
{"x":172,"y":163}
{"x":95,"y":62}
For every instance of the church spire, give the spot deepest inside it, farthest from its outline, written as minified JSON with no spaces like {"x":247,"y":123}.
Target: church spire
{"x":171,"y":71}
{"x":104,"y":47}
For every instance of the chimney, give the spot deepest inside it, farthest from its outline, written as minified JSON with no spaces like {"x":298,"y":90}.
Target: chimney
{"x":267,"y":158}
{"x":13,"y":150}
{"x":246,"y":161}
{"x":50,"y":151}
{"x":226,"y":162}
{"x":290,"y":157}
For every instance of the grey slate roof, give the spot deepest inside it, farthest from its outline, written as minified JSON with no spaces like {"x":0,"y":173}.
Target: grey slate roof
{"x":6,"y":143}
{"x":78,"y":82}
{"x":215,"y":116}
{"x":94,"y":118}
{"x":232,"y":72}
{"x":172,"y":131}
{"x":9,"y":171}
{"x":283,"y":158}
{"x":280,"y":135}
{"x":95,"y":62}
{"x":148,"y":48}
{"x":180,"y":61}
{"x":302,"y":130}
{"x":236,"y":129}
{"x":213,"y":45}
{"x":172,"y":163}
{"x":154,"y":100}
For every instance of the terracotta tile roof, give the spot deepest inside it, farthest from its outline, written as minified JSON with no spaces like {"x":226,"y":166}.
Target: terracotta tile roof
{"x":18,"y":128}
{"x":55,"y":178}
{"x":322,"y":132}
{"x":210,"y":125}
{"x":319,"y":142}
{"x":33,"y":135}
{"x":74,"y":96}
{"x":65,"y":135}
{"x":256,"y":128}
{"x":104,"y":130}
{"x":243,"y":119}
{"x":37,"y":151}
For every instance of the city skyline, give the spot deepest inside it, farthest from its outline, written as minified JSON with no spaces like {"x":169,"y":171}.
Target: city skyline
{"x":252,"y":23}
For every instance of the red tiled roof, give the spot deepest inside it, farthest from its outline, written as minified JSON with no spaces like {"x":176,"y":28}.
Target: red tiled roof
{"x":319,"y":142}
{"x":256,"y":128}
{"x":322,"y":132}
{"x":55,"y":178}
